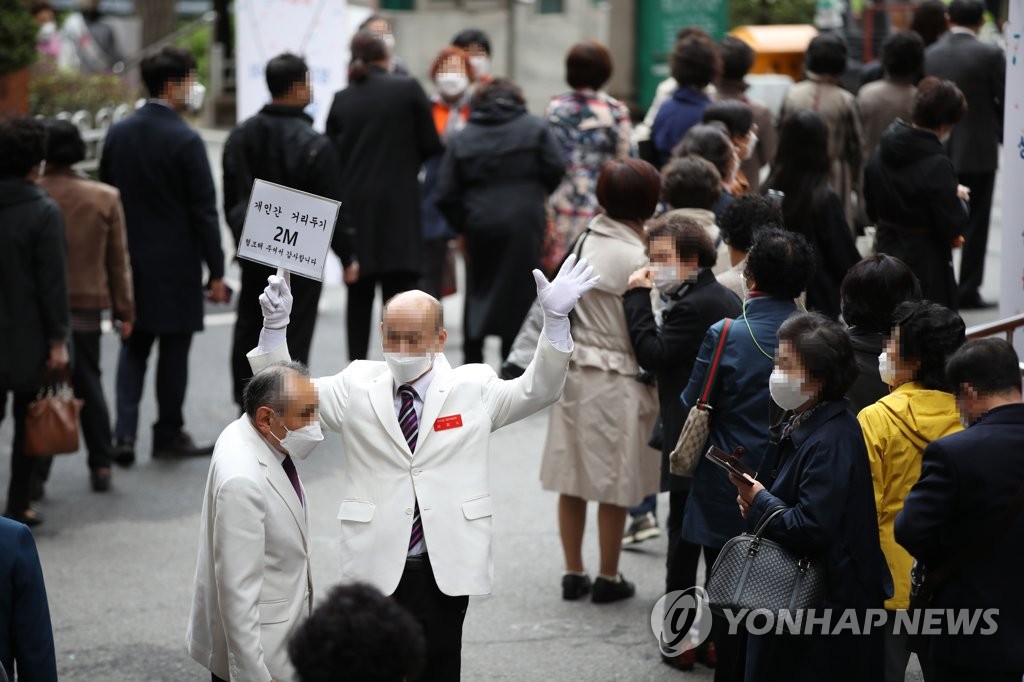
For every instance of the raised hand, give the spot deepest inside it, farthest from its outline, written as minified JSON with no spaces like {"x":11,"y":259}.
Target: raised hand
{"x":276,"y":301}
{"x":558,"y":297}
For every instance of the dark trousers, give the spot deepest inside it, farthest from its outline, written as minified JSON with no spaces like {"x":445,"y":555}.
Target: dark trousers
{"x":360,"y":305}
{"x":22,"y":466}
{"x":214,"y":678}
{"x":972,"y":261}
{"x":249,"y":320}
{"x":473,"y":349}
{"x":95,"y":417}
{"x":441,"y":617}
{"x":434,"y":253}
{"x":897,"y":655}
{"x":171,"y":381}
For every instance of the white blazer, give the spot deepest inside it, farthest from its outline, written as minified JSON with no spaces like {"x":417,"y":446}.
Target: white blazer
{"x":448,"y":475}
{"x":253,"y":584}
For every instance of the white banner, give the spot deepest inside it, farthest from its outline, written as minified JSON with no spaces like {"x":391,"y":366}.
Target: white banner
{"x":1011,"y":289}
{"x":319,"y":31}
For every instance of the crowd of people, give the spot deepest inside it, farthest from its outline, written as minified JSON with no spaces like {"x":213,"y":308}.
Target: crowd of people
{"x":703,"y":260}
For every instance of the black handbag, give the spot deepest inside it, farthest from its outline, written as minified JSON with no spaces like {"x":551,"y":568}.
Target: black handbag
{"x":755,"y":573}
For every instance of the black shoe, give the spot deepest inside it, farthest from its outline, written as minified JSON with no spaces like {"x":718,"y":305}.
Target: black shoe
{"x":575,"y":586}
{"x":606,"y":591}
{"x":179,"y":445}
{"x":124,"y":451}
{"x":100,"y":479}
{"x":975,"y":302}
{"x":30,"y":517}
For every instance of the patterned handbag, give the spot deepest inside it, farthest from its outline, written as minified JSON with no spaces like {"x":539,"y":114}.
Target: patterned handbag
{"x":686,"y":454}
{"x":755,"y":573}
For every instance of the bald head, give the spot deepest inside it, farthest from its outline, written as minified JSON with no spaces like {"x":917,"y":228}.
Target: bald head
{"x":413,"y":322}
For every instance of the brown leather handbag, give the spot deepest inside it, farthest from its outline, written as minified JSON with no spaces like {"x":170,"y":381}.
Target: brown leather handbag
{"x":51,"y":424}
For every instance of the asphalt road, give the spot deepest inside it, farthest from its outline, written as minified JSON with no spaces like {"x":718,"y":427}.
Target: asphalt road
{"x":119,"y":566}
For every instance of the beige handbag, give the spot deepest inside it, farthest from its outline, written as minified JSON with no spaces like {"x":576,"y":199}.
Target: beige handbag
{"x":690,"y":446}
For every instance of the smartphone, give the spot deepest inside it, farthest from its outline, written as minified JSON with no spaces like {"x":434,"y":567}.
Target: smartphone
{"x":730,"y":462}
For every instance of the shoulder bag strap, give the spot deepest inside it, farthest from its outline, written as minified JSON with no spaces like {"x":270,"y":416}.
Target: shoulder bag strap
{"x":709,"y":380}
{"x":767,"y":518}
{"x":934,"y":579}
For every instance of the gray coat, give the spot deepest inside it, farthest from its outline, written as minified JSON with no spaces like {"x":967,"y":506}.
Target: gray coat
{"x":979,"y":70}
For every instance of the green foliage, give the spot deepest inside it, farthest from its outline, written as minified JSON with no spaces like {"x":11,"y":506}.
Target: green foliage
{"x":18,"y":31}
{"x":757,"y":12}
{"x":199,"y":45}
{"x":53,"y":90}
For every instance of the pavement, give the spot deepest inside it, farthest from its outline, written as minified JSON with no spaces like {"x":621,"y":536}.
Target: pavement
{"x":119,"y":566}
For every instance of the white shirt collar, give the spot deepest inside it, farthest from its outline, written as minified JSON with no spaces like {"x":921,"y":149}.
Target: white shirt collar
{"x":962,"y":29}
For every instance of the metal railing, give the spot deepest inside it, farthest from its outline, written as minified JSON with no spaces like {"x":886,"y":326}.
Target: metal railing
{"x":94,"y":130}
{"x":1006,"y":326}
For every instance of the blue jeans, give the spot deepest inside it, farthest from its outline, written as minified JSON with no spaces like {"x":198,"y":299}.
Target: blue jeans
{"x":650,"y":504}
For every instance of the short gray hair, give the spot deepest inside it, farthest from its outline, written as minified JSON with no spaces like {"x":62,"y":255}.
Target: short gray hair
{"x":266,"y":388}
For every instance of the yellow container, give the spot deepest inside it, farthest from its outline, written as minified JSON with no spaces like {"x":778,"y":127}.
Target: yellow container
{"x":778,"y":49}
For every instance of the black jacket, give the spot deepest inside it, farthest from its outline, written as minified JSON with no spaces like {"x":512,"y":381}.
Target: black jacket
{"x":968,"y":480}
{"x":492,"y":187}
{"x":382,"y":130}
{"x":33,"y":282}
{"x":868,"y":387}
{"x":161,"y":168}
{"x":279,"y":145}
{"x":670,"y":352}
{"x":910,"y":192}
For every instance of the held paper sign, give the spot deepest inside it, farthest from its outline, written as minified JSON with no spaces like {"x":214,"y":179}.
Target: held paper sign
{"x":289,"y":229}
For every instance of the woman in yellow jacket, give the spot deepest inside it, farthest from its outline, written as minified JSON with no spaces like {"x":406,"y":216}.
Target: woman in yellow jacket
{"x":918,"y":410}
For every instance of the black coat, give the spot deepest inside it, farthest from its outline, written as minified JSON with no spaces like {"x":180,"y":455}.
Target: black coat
{"x":493,"y":185}
{"x":279,"y":145}
{"x":834,"y":250}
{"x":968,"y":480}
{"x":910,"y":192}
{"x":33,"y":282}
{"x":669,"y":352}
{"x":821,"y":474}
{"x":26,"y":636}
{"x":868,"y":387}
{"x":383,"y":130}
{"x":160,"y":166}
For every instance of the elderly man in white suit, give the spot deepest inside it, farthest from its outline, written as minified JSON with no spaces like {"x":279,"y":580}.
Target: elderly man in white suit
{"x":414,"y":513}
{"x":253,"y":584}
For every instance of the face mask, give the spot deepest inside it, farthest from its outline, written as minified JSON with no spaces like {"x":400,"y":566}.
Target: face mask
{"x":787,"y":392}
{"x":751,"y":145}
{"x":389,"y":42}
{"x":47,"y":29}
{"x":887,"y":369}
{"x":406,"y":367}
{"x":481,"y":65}
{"x":196,"y":97}
{"x":452,"y":84}
{"x":666,"y":278}
{"x":300,"y":442}
{"x":945,"y":137}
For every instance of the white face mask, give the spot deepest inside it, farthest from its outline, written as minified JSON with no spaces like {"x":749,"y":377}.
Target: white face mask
{"x":887,"y":369}
{"x":481,"y":65}
{"x":196,"y":97}
{"x":751,"y":146}
{"x":389,"y":42}
{"x":452,"y":84}
{"x":47,"y":29}
{"x":406,"y":367}
{"x":787,"y":391}
{"x":300,"y":442}
{"x":666,"y":278}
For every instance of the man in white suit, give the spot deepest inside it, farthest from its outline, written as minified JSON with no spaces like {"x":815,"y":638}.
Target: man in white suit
{"x":415,"y":509}
{"x":253,"y":584}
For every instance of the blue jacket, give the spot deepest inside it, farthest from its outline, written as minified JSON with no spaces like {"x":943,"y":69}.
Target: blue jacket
{"x":967,"y":482}
{"x":26,"y":637}
{"x":677,"y":115}
{"x":741,"y":415}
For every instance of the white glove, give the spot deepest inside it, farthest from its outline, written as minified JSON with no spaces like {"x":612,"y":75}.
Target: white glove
{"x":276,"y":302}
{"x":559,"y":296}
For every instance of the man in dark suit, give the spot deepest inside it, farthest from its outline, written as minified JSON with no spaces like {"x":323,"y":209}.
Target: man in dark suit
{"x":279,"y":145}
{"x":160,"y":166}
{"x":979,"y":70}
{"x":26,"y":636}
{"x":968,"y":482}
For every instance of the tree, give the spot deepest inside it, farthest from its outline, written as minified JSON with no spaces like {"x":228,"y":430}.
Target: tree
{"x":159,"y":18}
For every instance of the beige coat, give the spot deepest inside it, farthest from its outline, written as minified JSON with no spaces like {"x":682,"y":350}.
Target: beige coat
{"x":597,"y":439}
{"x":845,"y":145}
{"x":881,"y":103}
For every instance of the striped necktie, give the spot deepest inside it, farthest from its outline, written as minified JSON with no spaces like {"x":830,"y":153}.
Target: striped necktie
{"x":410,"y":429}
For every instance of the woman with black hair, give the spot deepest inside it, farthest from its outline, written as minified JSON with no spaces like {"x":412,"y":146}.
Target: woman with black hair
{"x":897,"y":428}
{"x":870,"y":293}
{"x":383,"y":130}
{"x":738,"y":119}
{"x":811,"y":207}
{"x":817,"y":471}
{"x":711,"y":141}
